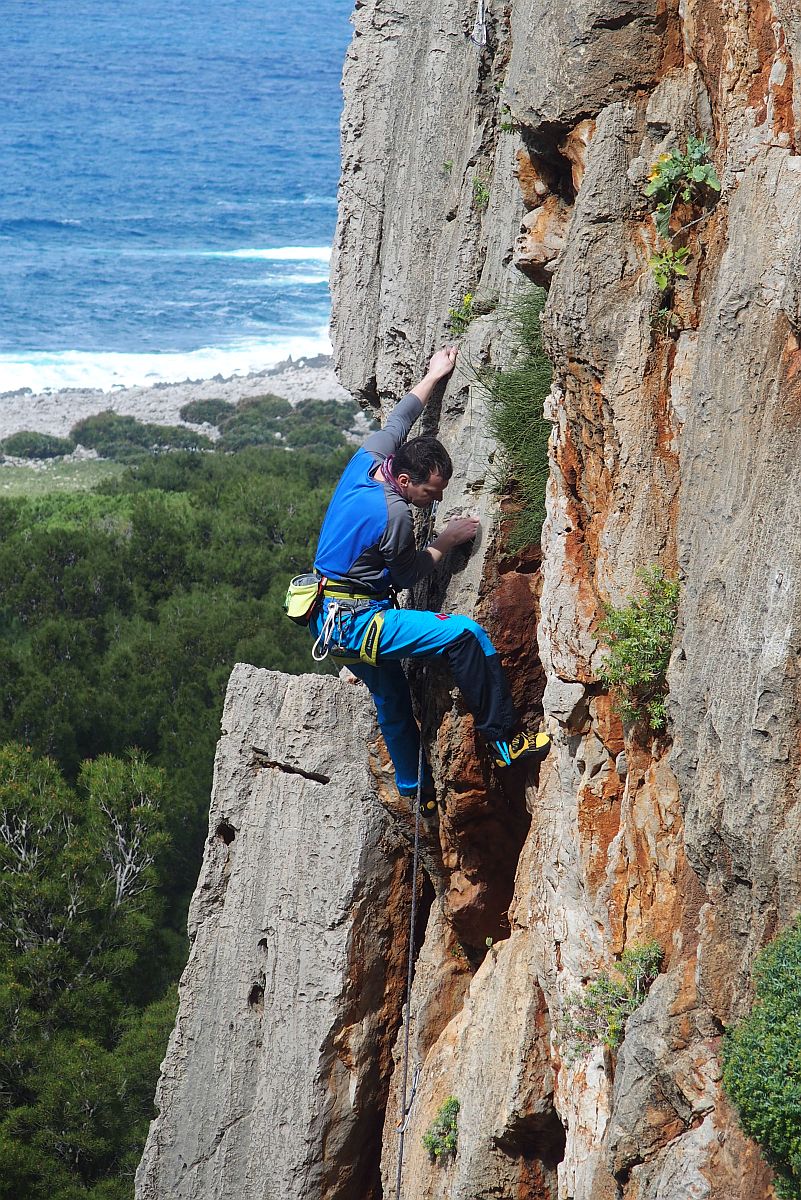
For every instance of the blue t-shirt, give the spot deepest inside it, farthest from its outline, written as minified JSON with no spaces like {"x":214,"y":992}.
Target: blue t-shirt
{"x":367,"y":536}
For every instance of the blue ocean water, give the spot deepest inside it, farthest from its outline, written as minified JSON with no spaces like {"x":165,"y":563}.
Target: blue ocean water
{"x":169,"y":184}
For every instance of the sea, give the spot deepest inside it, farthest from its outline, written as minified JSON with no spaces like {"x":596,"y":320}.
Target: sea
{"x":168,"y":195}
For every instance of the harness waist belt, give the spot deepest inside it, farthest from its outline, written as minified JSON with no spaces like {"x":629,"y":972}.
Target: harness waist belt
{"x":334,"y":590}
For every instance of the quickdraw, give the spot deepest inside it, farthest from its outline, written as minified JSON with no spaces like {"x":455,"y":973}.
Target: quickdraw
{"x":479,"y":35}
{"x":331,"y":625}
{"x":407,"y":1110}
{"x":332,"y":638}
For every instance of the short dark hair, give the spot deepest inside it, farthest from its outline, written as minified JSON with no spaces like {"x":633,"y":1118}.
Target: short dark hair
{"x":420,"y":458}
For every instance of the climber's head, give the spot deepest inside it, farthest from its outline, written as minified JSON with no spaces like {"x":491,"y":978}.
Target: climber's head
{"x":422,"y":468}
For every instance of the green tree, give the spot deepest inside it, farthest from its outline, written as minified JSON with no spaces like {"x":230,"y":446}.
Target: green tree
{"x":83,"y":1028}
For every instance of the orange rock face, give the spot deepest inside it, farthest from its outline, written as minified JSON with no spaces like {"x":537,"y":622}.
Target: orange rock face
{"x":675,"y":415}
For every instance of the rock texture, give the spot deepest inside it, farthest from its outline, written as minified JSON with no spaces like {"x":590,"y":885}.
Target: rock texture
{"x":675,"y":441}
{"x":275,"y":1077}
{"x":676,"y":446}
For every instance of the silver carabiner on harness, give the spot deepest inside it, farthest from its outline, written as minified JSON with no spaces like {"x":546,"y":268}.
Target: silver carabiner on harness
{"x":332,"y":624}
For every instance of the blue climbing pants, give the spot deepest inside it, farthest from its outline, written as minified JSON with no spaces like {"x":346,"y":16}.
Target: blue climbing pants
{"x":409,"y":633}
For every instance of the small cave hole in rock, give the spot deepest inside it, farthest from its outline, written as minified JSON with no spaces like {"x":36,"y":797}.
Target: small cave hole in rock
{"x":225,"y":833}
{"x":538,"y":1139}
{"x":256,"y":997}
{"x":552,"y":164}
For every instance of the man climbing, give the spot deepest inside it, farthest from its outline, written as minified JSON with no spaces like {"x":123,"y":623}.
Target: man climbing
{"x":366,"y":549}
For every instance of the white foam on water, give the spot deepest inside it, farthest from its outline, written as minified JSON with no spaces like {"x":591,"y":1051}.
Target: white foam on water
{"x":305,"y":254}
{"x":276,"y":253}
{"x":293,"y":279}
{"x":81,"y":369}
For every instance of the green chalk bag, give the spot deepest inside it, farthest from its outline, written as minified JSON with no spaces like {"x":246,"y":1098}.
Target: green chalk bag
{"x":301,"y":598}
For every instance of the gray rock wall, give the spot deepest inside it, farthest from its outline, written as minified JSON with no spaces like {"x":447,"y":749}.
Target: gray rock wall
{"x":274,"y":1080}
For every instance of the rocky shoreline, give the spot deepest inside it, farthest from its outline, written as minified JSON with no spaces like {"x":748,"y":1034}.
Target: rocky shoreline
{"x":55,"y":412}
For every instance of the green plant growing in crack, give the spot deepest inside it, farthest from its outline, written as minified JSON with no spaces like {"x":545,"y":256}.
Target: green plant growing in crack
{"x":762,"y":1060}
{"x":597,"y":1015}
{"x":507,"y":122}
{"x":461,"y":316}
{"x":665,"y":321}
{"x":639,"y":636}
{"x":442,"y":1136}
{"x":515,"y":418}
{"x":689,"y":176}
{"x":668,"y":265}
{"x":481,"y":192}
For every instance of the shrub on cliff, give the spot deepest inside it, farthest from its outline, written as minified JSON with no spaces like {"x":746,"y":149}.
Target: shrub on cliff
{"x":762,"y":1060}
{"x":442,"y":1137}
{"x":597,"y":1015}
{"x":28,"y":444}
{"x":516,"y":396}
{"x":639,"y":636}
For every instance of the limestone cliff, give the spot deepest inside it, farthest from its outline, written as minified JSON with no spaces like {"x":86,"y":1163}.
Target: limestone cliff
{"x":465,"y":168}
{"x":275,"y":1073}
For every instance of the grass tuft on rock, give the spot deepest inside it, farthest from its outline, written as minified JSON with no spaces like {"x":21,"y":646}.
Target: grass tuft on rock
{"x":442,"y":1137}
{"x":517,"y":395}
{"x":639,"y":638}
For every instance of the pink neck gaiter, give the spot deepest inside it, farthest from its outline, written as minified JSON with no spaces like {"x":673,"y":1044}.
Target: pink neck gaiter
{"x":389,"y":476}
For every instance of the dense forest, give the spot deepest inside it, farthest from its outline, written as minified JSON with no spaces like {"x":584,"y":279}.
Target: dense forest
{"x":122,"y":612}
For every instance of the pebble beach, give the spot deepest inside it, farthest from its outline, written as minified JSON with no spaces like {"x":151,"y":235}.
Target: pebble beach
{"x":55,"y":412}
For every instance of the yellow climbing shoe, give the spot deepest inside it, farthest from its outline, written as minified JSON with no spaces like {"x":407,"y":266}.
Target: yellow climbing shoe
{"x":428,"y":806}
{"x":428,"y":800}
{"x":524,"y":745}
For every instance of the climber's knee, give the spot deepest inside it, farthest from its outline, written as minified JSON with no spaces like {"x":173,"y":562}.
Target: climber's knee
{"x":471,"y":628}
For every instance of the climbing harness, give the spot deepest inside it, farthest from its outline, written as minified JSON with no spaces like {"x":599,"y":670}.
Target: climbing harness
{"x":407,"y":1106}
{"x":346,"y":600}
{"x":368,"y":650}
{"x":479,"y":35}
{"x":333,"y":638}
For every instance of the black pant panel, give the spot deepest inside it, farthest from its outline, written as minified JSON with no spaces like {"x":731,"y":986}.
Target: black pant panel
{"x":482,"y":681}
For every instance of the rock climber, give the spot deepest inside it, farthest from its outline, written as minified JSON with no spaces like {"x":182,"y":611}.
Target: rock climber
{"x":366,"y":550}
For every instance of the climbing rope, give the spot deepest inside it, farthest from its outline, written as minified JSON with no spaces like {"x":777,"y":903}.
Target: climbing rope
{"x":406,"y":1106}
{"x":409,"y":975}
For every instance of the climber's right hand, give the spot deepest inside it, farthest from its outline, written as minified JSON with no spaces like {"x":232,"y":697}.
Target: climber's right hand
{"x":459,"y":530}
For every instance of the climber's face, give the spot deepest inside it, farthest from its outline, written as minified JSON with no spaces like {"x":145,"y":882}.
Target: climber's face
{"x":422,"y":495}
